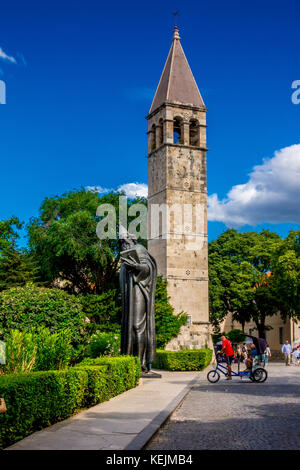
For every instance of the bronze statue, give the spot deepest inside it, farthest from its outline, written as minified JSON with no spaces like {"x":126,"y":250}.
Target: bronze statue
{"x":138,"y":282}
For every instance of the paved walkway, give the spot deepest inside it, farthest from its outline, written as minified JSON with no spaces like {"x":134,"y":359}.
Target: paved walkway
{"x":237,"y":415}
{"x":124,"y":422}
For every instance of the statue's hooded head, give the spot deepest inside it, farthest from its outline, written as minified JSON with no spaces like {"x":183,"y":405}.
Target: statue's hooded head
{"x":127,"y":240}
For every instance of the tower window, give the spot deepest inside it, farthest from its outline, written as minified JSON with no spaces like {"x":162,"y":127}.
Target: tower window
{"x":177,"y":131}
{"x":194,"y":133}
{"x":153,"y":138}
{"x":160,"y":130}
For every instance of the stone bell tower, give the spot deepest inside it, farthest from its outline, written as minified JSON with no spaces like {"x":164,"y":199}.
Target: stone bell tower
{"x":177,"y":194}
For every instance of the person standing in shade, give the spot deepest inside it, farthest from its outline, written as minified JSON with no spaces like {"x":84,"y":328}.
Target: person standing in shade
{"x":267,"y":355}
{"x":287,"y":351}
{"x":227,"y":350}
{"x":296,"y":357}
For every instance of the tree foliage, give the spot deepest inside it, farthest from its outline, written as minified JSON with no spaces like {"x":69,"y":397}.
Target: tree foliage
{"x":24,"y":308}
{"x":287,"y":275}
{"x":8,"y":232}
{"x":242,"y":279}
{"x":167,"y":324}
{"x":103,"y":310}
{"x":16,"y":266}
{"x":63,"y":240}
{"x":235,"y":336}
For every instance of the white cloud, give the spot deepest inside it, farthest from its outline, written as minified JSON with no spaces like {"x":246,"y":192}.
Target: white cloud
{"x":97,"y":189}
{"x":272,"y":194}
{"x":131,"y":190}
{"x":134,"y":189}
{"x":6,"y":57}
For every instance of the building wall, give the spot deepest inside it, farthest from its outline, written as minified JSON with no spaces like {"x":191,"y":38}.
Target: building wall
{"x":280,"y":330}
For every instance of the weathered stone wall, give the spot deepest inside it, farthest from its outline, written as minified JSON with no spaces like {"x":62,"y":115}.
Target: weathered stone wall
{"x":177,"y":179}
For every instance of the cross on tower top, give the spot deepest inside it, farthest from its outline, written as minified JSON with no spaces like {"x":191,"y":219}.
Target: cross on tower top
{"x":175,"y":13}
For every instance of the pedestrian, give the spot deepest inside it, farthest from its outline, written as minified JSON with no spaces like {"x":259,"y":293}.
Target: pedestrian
{"x":267,"y":354}
{"x":296,"y":357}
{"x":228,"y":351}
{"x":244,"y":351}
{"x":286,"y":352}
{"x":239,"y":354}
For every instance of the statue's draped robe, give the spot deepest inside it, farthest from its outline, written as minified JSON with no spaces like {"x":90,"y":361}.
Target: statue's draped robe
{"x":138,"y":295}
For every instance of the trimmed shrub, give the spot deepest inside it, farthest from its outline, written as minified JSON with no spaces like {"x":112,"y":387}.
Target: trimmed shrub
{"x":37,"y":399}
{"x":104,"y":344}
{"x":122,"y":372}
{"x":190,"y":359}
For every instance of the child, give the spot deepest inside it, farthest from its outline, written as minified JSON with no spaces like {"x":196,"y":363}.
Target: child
{"x":267,"y":354}
{"x":250,"y":360}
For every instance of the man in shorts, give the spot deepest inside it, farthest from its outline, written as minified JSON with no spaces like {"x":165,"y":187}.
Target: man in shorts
{"x":227,"y":350}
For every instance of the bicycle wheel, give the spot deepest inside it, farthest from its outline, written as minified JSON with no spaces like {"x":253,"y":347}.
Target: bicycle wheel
{"x":213,"y":376}
{"x":260,"y":375}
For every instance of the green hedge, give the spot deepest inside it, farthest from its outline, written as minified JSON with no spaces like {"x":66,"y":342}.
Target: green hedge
{"x":119,"y":374}
{"x":190,"y":359}
{"x":38,"y":399}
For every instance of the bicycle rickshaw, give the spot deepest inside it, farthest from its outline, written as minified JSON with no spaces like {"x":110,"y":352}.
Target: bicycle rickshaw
{"x":257,"y":374}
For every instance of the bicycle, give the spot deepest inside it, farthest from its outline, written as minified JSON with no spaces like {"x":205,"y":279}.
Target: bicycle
{"x":257,"y":374}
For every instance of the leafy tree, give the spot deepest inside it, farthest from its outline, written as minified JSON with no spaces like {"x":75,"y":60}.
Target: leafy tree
{"x":8,"y":233}
{"x":16,"y":266}
{"x":235,"y":336}
{"x":63,"y":240}
{"x":104,"y":313}
{"x":167,"y":324}
{"x":241,"y":277}
{"x":103,"y":310}
{"x":286,"y":274}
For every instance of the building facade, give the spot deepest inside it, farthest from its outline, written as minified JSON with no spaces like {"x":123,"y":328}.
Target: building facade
{"x":278,"y":331}
{"x":177,"y":194}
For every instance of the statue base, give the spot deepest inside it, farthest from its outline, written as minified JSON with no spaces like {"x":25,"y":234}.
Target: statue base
{"x":150,"y":375}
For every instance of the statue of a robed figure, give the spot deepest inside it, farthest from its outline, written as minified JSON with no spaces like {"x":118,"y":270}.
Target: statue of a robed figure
{"x":138,"y":282}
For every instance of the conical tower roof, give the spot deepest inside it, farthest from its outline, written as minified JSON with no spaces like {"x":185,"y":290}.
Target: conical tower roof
{"x":177,"y":84}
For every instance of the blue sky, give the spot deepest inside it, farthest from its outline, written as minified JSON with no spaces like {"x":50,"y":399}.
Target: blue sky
{"x":83,"y":80}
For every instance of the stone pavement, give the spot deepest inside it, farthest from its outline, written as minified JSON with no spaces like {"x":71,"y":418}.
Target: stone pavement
{"x":237,"y":415}
{"x":125,"y":422}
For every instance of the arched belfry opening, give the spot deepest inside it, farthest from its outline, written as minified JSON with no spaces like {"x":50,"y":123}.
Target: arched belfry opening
{"x":153,"y":138}
{"x":160,"y":132}
{"x":194,"y":133}
{"x":177,"y":130}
